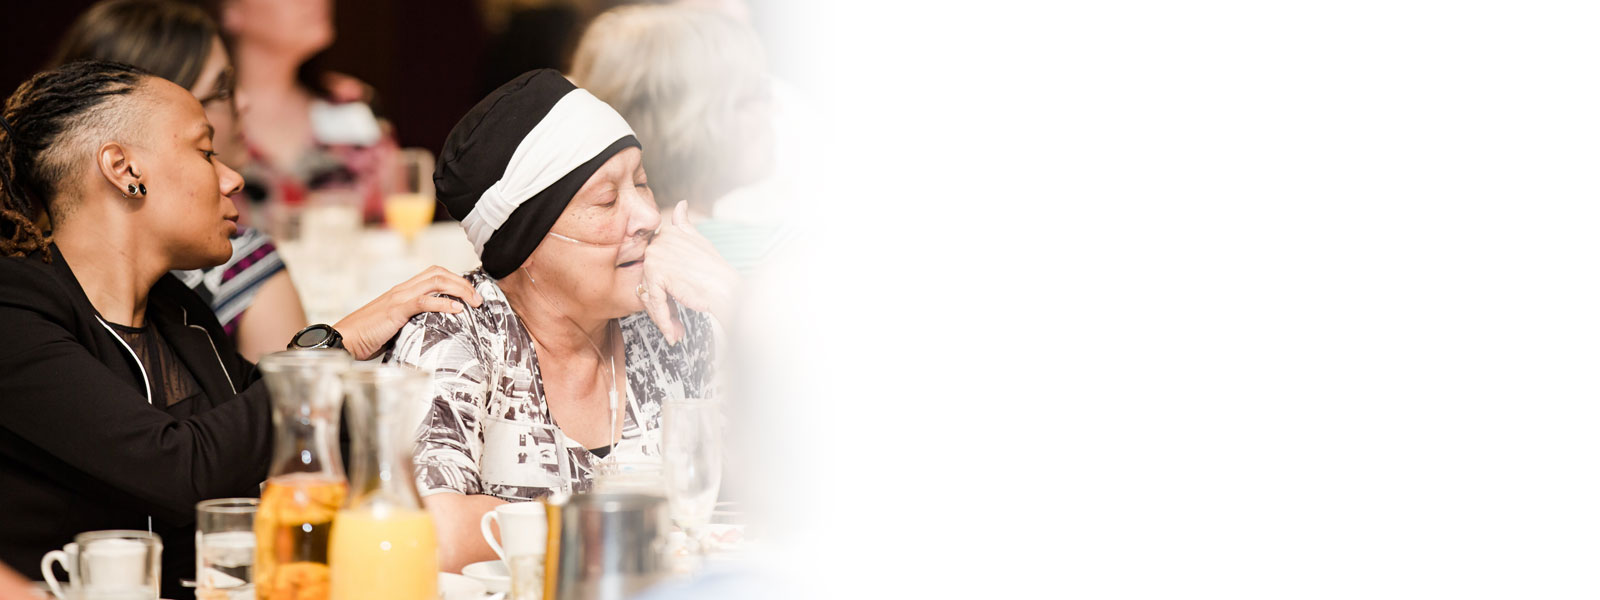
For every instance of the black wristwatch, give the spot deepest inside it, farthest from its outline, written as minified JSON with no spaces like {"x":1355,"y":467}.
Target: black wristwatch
{"x":317,"y":336}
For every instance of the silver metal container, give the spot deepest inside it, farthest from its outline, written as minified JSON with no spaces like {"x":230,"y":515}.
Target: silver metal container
{"x":610,"y":546}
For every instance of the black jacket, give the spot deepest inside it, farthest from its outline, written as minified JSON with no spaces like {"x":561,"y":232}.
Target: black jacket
{"x":83,"y":449}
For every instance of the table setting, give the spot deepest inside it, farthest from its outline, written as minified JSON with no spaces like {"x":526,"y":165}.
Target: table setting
{"x":318,"y":533}
{"x":338,"y":263}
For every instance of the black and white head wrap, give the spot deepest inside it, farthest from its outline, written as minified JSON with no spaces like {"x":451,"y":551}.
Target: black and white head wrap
{"x":511,"y":165}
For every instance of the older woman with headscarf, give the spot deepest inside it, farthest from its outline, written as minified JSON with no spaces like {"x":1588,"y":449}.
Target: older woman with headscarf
{"x":595,"y":308}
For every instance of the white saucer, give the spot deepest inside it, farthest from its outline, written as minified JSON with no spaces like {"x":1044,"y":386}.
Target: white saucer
{"x":493,"y":574}
{"x":456,"y":587}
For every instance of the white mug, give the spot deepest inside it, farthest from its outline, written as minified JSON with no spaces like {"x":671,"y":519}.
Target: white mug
{"x":116,"y":562}
{"x":68,"y":557}
{"x":522,"y":526}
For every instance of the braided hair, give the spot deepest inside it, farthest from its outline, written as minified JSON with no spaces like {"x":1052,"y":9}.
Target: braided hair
{"x":35,"y":149}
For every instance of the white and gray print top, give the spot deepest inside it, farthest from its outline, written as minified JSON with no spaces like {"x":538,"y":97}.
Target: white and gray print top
{"x":489,"y":429}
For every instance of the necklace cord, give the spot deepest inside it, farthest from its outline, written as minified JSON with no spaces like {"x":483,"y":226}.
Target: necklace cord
{"x":612,"y":435}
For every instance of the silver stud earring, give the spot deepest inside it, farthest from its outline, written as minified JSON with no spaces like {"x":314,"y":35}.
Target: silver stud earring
{"x":131,"y":190}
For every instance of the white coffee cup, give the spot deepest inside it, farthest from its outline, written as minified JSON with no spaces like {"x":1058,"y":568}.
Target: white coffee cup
{"x":522,"y":527}
{"x":68,"y":557}
{"x":99,"y":562}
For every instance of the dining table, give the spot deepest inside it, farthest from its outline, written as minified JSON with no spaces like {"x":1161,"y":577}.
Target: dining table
{"x":337,"y":273}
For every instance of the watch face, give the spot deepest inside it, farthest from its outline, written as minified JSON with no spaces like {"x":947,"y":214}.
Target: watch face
{"x":312,"y":338}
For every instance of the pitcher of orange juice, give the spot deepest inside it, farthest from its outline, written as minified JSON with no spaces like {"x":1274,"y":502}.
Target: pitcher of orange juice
{"x":384,"y":545}
{"x":306,"y":484}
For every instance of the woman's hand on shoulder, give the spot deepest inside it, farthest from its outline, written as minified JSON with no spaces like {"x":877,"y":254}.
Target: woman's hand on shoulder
{"x":366,"y":330}
{"x":682,"y":263}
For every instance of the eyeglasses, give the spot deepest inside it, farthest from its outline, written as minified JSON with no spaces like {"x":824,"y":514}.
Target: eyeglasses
{"x":223,"y":90}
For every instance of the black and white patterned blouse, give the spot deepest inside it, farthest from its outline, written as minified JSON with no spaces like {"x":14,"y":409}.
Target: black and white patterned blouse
{"x":489,"y":430}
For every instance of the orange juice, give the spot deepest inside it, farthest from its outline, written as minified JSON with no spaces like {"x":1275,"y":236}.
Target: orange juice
{"x":384,"y":552}
{"x":408,"y":213}
{"x":292,"y":527}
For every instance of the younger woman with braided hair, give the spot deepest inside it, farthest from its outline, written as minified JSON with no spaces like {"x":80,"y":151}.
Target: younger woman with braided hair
{"x":122,"y":402}
{"x":251,"y":293}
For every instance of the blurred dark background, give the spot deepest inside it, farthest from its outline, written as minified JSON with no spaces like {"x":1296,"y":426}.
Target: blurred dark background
{"x":428,"y":60}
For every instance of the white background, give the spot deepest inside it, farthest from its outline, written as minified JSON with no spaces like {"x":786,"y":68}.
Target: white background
{"x":1196,"y":299}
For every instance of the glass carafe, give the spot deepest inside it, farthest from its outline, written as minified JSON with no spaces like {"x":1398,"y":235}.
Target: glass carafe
{"x":306,"y":484}
{"x":384,"y":545}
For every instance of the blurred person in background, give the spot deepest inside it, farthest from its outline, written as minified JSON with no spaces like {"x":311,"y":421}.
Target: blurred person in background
{"x":596,"y":309}
{"x":251,"y":293}
{"x":305,"y":130}
{"x":738,"y":10}
{"x":122,"y":402}
{"x":693,"y":84}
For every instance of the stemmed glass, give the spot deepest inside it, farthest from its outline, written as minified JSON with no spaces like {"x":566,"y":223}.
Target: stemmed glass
{"x":691,"y":452}
{"x":408,"y":203}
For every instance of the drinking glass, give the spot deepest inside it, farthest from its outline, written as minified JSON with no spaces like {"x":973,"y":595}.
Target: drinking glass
{"x":725,"y":534}
{"x":638,"y":474}
{"x":691,"y":452}
{"x":328,"y":233}
{"x":225,"y":548}
{"x":408,"y":203}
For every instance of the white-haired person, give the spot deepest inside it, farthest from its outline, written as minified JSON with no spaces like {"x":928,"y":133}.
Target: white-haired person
{"x":693,"y":84}
{"x":595,"y":309}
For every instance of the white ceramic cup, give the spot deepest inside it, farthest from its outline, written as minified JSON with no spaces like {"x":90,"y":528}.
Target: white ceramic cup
{"x":68,"y":557}
{"x":120,"y":563}
{"x":522,"y":527}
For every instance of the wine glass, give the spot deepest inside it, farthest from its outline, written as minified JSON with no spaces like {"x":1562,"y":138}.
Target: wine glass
{"x":408,"y":203}
{"x":691,"y":456}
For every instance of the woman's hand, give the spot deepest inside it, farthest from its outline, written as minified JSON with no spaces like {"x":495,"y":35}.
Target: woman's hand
{"x":366,"y":330}
{"x":682,"y":264}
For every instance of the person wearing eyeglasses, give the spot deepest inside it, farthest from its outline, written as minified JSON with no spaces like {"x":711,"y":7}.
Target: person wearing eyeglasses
{"x":251,"y":293}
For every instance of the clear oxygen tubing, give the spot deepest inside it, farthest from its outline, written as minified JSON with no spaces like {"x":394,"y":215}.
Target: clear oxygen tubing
{"x":648,"y":235}
{"x":611,"y":434}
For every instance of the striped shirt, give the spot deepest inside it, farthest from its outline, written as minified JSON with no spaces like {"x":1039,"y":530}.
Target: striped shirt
{"x":231,"y":287}
{"x":744,"y":245}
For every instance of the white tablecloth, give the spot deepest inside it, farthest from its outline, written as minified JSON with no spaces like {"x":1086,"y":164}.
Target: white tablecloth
{"x":335,"y":275}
